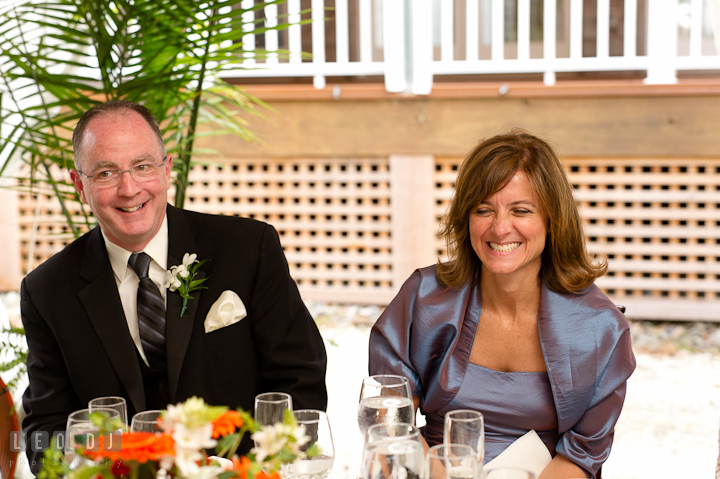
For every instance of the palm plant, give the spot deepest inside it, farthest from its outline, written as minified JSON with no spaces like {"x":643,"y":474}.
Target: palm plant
{"x":59,"y":57}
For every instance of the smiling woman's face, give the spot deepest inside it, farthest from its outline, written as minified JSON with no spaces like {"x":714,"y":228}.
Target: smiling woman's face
{"x":130,"y":213}
{"x":508,"y":230}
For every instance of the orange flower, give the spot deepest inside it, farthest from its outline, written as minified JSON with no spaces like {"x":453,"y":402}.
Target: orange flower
{"x":263,"y":475}
{"x":240,"y":466}
{"x":137,"y":446}
{"x":226,"y":423}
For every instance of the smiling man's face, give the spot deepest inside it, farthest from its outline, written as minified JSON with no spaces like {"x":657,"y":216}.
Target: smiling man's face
{"x":129,"y":212}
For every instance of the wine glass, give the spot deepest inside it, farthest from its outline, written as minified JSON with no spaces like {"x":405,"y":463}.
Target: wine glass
{"x":111,"y":402}
{"x":392,"y":451}
{"x":465,"y":426}
{"x":270,"y":407}
{"x":385,"y":398}
{"x":452,"y":461}
{"x":509,"y":473}
{"x":147,"y":421}
{"x":317,"y":427}
{"x":80,"y":429}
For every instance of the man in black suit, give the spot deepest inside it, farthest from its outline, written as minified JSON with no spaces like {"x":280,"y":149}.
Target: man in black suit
{"x":247,"y":333}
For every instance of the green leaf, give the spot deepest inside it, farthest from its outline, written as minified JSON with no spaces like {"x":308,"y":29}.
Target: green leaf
{"x":194,"y":285}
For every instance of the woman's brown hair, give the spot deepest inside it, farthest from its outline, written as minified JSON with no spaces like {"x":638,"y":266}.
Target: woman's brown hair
{"x":566,"y":265}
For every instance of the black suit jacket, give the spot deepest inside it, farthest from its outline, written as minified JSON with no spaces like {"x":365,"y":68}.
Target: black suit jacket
{"x":80,"y":347}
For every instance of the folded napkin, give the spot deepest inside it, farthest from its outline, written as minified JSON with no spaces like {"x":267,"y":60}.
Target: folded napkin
{"x":528,"y":452}
{"x":227,"y":310}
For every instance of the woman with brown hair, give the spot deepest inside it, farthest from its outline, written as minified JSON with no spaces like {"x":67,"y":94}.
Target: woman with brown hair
{"x":512,"y":324}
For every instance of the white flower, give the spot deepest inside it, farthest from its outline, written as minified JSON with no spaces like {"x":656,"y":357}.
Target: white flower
{"x":271,"y":439}
{"x":188,"y":259}
{"x":223,"y":462}
{"x":182,"y":271}
{"x":208,"y":472}
{"x":171,"y":280}
{"x":188,"y":444}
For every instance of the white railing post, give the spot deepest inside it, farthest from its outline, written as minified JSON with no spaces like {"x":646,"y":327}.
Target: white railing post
{"x":422,"y":46}
{"x":248,"y":41}
{"x":497,"y":50}
{"x":602,"y":34}
{"x":471,"y":30}
{"x":523,"y":29}
{"x":294,"y":32}
{"x":342,"y":42}
{"x":447,"y":31}
{"x":318,"y":42}
{"x":630,"y":29}
{"x":696,"y":28}
{"x":272,"y":42}
{"x":576,"y":28}
{"x":394,"y":45}
{"x":366,"y":33}
{"x":662,"y":42}
{"x":549,"y":40}
{"x":715,"y":19}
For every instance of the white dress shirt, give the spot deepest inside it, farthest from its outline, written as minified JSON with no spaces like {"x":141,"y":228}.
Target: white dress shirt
{"x":127,"y":281}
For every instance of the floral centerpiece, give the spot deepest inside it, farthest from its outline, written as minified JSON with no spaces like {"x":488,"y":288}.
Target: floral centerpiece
{"x":180,"y":451}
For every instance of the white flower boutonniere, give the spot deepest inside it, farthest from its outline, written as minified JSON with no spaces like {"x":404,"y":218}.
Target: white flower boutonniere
{"x":182,"y":278}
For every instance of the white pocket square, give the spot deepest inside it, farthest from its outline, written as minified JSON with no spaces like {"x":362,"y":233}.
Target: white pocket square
{"x":227,"y":310}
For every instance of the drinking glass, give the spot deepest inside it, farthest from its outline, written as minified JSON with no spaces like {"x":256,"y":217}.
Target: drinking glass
{"x":270,"y":407}
{"x":464,"y":426}
{"x":388,"y":456}
{"x":452,"y":461}
{"x":317,"y":427}
{"x":78,"y":424}
{"x":111,"y":402}
{"x":509,"y":473}
{"x":396,"y":431}
{"x":385,"y":399}
{"x":146,"y":421}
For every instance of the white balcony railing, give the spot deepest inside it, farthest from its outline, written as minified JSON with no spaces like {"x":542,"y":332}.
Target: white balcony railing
{"x":410,"y":42}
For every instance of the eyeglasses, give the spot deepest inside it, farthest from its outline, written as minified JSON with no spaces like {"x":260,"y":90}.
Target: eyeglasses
{"x":112,"y":176}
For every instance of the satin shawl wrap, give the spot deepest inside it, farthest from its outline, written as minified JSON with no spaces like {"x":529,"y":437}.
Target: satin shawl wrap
{"x":428,"y":330}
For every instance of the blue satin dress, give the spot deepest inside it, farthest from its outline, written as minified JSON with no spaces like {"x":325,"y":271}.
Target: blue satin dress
{"x":427,"y":332}
{"x":512,"y":403}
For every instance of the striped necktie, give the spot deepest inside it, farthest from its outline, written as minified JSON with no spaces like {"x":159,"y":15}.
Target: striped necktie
{"x":151,"y":314}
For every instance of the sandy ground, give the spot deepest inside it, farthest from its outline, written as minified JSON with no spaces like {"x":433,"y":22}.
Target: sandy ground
{"x":668,"y":428}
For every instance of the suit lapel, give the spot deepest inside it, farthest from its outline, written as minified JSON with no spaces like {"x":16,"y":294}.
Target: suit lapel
{"x":178,"y":330}
{"x":102,"y":303}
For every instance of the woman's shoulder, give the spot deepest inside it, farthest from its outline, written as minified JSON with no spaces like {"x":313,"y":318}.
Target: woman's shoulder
{"x":582,"y":322}
{"x":424,"y":287}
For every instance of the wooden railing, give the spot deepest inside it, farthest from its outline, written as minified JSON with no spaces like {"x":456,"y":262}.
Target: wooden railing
{"x":354,"y":229}
{"x":412,"y":43}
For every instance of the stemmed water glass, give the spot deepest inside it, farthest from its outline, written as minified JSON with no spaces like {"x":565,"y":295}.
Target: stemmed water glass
{"x":396,"y":431}
{"x":452,"y":461}
{"x":270,"y":407}
{"x":392,"y":451}
{"x":465,"y":426}
{"x":317,"y":427}
{"x":111,"y":402}
{"x":146,"y":421}
{"x":80,"y":427}
{"x":385,"y":398}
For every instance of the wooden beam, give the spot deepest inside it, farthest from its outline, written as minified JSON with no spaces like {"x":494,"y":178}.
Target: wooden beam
{"x":581,"y":126}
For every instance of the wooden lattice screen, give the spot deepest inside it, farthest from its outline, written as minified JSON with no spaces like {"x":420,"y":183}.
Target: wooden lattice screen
{"x":657,"y":221}
{"x":333,"y":217}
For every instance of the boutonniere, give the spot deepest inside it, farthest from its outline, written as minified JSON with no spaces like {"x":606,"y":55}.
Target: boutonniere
{"x":182,"y":278}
